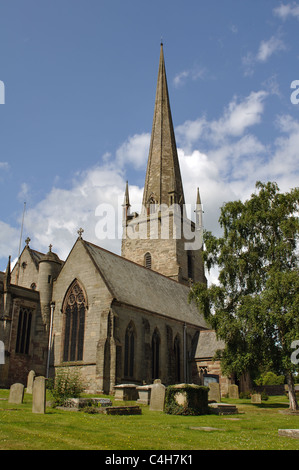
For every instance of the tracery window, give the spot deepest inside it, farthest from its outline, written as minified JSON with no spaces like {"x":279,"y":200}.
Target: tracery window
{"x":24,"y":330}
{"x":155,"y":354}
{"x":74,"y":310}
{"x":129,"y":351}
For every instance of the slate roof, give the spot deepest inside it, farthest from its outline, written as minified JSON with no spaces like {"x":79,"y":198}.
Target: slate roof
{"x":143,"y":288}
{"x":208,"y":344}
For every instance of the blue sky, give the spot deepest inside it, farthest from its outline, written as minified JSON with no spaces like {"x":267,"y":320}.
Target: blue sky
{"x":80,"y":79}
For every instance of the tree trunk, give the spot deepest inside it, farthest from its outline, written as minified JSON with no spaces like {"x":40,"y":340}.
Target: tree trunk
{"x":292,"y":394}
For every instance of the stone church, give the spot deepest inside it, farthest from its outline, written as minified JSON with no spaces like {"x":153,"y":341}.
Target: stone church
{"x":117,"y":319}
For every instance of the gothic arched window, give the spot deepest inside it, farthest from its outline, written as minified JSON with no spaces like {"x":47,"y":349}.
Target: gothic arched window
{"x":148,"y":260}
{"x":129,"y":351}
{"x":24,"y":329}
{"x":177,"y":359}
{"x":155,"y":354}
{"x":74,"y":311}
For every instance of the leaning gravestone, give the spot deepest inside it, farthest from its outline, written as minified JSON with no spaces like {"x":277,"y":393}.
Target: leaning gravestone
{"x":30,"y":380}
{"x":157,"y":396}
{"x":233,"y":391}
{"x":16,"y":394}
{"x":214,"y":392}
{"x":39,"y":395}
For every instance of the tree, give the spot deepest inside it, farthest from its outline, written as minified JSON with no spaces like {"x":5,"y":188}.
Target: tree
{"x":255,"y":306}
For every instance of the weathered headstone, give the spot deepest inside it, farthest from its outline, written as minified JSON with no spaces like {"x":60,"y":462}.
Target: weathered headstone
{"x":233,"y":391}
{"x":214,"y":392}
{"x":30,"y":380}
{"x":16,"y":394}
{"x":39,"y":395}
{"x":157,"y":396}
{"x":256,"y":398}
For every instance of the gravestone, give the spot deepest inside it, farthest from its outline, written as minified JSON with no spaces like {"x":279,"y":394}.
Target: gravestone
{"x":125,"y":392}
{"x":157,"y":396}
{"x":16,"y":394}
{"x":233,"y":391}
{"x":144,"y":392}
{"x":39,"y":395}
{"x":214,"y":392}
{"x":256,"y":398}
{"x":30,"y":380}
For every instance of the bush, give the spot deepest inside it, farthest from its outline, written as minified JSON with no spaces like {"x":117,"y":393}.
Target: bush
{"x":269,"y":378}
{"x":195,"y":400}
{"x":67,"y":384}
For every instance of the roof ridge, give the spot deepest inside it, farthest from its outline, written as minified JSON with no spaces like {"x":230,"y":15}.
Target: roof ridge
{"x":136,"y":264}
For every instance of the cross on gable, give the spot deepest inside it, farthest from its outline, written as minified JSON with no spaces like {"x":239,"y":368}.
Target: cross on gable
{"x":80,"y":231}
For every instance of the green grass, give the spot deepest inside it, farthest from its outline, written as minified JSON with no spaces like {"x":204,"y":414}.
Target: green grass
{"x":256,"y":428}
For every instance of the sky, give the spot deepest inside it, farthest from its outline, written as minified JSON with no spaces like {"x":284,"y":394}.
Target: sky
{"x":77,"y":90}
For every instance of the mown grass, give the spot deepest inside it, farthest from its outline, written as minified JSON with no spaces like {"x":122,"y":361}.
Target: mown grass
{"x":256,"y":428}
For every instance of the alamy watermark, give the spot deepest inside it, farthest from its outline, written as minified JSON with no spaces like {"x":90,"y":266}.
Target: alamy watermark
{"x":2,"y":92}
{"x":2,"y":353}
{"x":295,"y":94}
{"x":295,"y":354}
{"x":154,"y":222}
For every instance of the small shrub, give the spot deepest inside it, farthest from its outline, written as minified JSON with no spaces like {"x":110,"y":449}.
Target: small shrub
{"x":67,"y":384}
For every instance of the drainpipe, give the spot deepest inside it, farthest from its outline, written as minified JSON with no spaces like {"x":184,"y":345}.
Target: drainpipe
{"x":185,"y":352}
{"x":52,"y":306}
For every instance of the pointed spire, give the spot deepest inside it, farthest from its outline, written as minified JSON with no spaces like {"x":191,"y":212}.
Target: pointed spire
{"x":126,"y":205}
{"x":163,"y":176}
{"x":126,"y":198}
{"x":198,"y":211}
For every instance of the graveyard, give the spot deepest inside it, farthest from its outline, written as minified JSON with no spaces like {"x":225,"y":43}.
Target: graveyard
{"x":29,"y":422}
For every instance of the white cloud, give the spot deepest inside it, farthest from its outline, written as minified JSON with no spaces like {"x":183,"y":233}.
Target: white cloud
{"x":239,"y":116}
{"x":234,"y":122}
{"x":134,"y":151}
{"x":284,"y":11}
{"x":193,"y":74}
{"x":268,"y":48}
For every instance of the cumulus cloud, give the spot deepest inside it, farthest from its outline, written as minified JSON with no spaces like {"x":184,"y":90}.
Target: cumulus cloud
{"x":286,"y":10}
{"x":134,"y":151}
{"x":266,"y":49}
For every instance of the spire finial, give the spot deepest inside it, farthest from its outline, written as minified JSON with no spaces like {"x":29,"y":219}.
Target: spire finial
{"x":27,"y":241}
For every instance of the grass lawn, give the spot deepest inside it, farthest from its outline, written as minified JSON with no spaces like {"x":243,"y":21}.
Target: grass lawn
{"x":256,"y":428}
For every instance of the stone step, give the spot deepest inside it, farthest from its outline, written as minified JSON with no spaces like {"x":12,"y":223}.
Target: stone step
{"x":223,"y":408}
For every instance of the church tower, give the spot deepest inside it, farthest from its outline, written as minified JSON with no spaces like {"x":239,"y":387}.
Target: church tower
{"x":162,"y":238}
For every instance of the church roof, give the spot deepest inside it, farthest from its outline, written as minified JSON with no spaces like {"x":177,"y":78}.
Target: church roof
{"x":208,"y":344}
{"x":135,"y":285}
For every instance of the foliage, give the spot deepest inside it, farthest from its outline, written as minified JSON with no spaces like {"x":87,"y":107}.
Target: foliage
{"x":67,"y":384}
{"x":254,"y":309}
{"x":196,"y":402}
{"x":270,"y":378}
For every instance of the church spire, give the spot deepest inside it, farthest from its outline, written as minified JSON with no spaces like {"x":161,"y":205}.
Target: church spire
{"x":163,"y":183}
